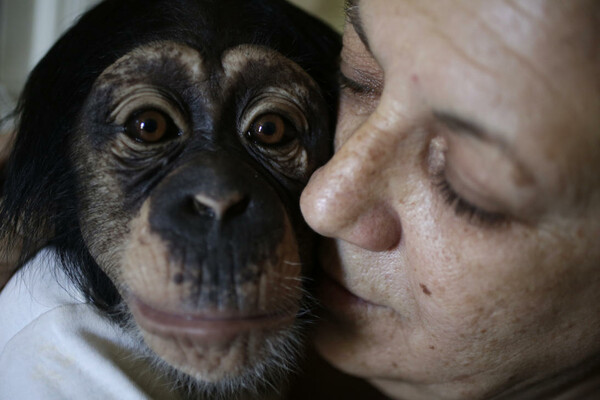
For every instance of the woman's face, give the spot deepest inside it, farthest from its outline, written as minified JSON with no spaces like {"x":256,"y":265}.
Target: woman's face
{"x":464,"y":197}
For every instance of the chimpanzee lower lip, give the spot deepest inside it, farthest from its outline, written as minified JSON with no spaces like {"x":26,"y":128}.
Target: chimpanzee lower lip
{"x":209,"y":326}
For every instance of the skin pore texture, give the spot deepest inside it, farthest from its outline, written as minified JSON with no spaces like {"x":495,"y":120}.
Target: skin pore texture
{"x":464,"y":200}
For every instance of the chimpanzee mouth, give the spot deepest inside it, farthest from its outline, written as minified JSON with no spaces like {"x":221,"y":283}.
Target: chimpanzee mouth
{"x":207,"y":327}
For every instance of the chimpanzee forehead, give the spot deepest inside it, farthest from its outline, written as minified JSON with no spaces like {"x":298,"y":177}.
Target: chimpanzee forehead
{"x":114,"y":28}
{"x":194,"y":67}
{"x":208,"y":25}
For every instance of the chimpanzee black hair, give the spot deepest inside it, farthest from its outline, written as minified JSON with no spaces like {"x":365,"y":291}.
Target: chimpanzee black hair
{"x":178,"y":134}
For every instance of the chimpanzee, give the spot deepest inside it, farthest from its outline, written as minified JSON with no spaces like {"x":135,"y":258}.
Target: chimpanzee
{"x":161,"y":149}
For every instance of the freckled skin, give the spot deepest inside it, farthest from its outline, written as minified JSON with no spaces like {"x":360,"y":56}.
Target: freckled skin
{"x":454,"y":307}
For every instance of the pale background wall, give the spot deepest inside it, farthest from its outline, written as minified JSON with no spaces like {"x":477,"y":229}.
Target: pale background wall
{"x":329,"y":10}
{"x":29,"y":27}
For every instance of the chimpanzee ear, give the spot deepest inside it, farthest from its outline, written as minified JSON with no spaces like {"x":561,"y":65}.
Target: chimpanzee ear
{"x":9,"y":249}
{"x":31,"y":184}
{"x":317,"y":38}
{"x":6,"y":143}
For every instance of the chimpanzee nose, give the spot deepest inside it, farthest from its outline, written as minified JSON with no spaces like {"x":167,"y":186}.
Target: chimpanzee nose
{"x":214,"y":202}
{"x":217,"y":207}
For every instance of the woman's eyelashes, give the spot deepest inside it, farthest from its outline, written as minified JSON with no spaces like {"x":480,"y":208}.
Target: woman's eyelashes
{"x":366,"y":86}
{"x":350,"y":84}
{"x":464,"y":208}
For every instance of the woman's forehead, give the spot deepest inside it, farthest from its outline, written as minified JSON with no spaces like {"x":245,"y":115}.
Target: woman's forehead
{"x":528,"y":69}
{"x":535,"y":27}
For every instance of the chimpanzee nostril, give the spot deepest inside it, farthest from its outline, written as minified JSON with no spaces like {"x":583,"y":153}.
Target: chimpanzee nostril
{"x":217,"y":207}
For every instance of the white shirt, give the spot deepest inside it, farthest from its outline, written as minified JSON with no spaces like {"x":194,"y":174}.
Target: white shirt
{"x":55,"y":346}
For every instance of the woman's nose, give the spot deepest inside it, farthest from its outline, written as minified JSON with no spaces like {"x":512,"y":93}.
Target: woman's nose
{"x":347,"y":198}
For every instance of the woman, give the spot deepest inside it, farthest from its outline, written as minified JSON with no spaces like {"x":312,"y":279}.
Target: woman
{"x":463,"y":198}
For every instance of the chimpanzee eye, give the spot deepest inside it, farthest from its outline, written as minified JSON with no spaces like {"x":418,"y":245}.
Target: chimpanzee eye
{"x":151,"y":126}
{"x":271,"y":130}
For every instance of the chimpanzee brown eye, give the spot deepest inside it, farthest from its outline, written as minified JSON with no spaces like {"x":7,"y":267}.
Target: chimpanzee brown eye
{"x":270,"y":129}
{"x":151,"y":126}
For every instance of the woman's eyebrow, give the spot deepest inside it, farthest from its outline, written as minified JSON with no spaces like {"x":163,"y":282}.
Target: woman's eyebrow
{"x":461,"y":125}
{"x":352,"y":9}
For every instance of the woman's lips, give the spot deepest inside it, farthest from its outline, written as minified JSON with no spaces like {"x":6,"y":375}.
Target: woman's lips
{"x":208,"y":327}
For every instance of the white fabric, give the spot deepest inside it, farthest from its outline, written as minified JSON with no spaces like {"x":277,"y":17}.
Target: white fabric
{"x":54,"y":346}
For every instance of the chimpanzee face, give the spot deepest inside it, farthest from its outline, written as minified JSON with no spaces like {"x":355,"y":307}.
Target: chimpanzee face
{"x":190,"y":169}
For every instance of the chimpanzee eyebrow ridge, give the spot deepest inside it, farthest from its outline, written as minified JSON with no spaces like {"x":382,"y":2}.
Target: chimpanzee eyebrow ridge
{"x":352,"y":9}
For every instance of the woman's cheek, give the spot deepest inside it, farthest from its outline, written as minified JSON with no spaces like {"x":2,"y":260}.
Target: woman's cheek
{"x":483,"y":286}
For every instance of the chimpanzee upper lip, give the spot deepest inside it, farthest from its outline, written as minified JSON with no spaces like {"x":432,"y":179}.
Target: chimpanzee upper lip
{"x":207,"y":325}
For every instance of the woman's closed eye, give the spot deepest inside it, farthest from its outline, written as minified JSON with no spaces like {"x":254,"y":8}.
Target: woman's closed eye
{"x":360,"y":88}
{"x":466,"y":209}
{"x":461,"y":177}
